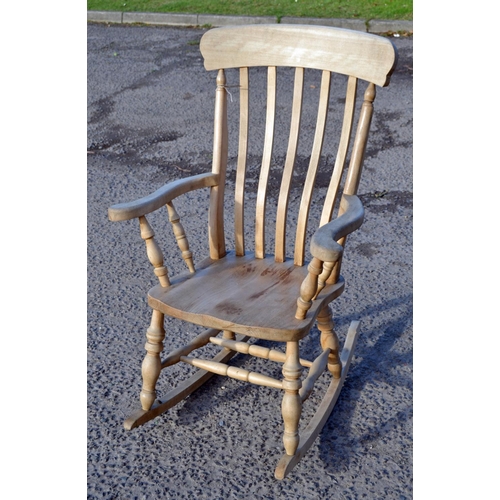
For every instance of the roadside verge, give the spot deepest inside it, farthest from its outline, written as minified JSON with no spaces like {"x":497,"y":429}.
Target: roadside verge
{"x":184,"y":20}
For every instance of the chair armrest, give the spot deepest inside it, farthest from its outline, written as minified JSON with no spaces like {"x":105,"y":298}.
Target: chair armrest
{"x":168,"y":192}
{"x":324,"y":244}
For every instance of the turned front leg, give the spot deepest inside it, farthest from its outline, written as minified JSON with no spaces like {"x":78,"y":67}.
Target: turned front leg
{"x":292,"y":404}
{"x":329,"y":340}
{"x":151,"y":366}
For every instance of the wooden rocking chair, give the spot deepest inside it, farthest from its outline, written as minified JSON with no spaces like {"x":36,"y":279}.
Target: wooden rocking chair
{"x":244,"y":294}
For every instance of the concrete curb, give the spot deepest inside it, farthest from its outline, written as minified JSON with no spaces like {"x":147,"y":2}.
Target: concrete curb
{"x":168,"y":19}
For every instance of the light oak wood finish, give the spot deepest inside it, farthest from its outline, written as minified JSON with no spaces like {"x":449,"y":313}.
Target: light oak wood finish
{"x":260,"y":240}
{"x":239,"y":189}
{"x":216,"y":219}
{"x":317,"y":369}
{"x":151,"y":366}
{"x":329,"y":340}
{"x":291,"y":406}
{"x":310,"y":433}
{"x":248,"y":293}
{"x":256,"y":350}
{"x":333,"y":188}
{"x":180,"y":236}
{"x":233,"y":372}
{"x":317,"y":47}
{"x":307,"y":193}
{"x":282,"y":212}
{"x":199,"y":341}
{"x":153,"y":251}
{"x":163,"y":195}
{"x":180,"y":392}
{"x":243,"y":294}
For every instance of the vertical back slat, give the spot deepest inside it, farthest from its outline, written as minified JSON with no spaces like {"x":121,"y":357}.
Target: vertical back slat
{"x":305,"y":202}
{"x":289,"y":164}
{"x":260,"y":248}
{"x":239,"y":205}
{"x":345,"y":138}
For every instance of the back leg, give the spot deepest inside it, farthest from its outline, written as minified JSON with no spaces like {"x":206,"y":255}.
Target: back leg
{"x":329,"y":340}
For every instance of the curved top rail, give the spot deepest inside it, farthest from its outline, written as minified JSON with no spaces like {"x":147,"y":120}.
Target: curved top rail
{"x":362,"y":55}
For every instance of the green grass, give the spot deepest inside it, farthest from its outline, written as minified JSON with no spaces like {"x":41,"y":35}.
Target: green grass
{"x":344,"y":9}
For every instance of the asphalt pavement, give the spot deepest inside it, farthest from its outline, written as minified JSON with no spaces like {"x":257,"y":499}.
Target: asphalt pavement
{"x":150,"y":107}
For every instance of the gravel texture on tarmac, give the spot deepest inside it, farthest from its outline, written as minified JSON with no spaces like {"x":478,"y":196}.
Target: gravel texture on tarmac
{"x":150,"y":110}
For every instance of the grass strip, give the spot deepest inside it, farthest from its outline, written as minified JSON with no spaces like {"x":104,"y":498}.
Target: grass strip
{"x":341,"y":9}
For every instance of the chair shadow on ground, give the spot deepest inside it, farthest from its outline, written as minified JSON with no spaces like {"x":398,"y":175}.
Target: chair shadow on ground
{"x":372,"y":366}
{"x":339,"y":443}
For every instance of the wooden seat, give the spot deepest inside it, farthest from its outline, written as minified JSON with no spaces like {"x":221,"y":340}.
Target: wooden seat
{"x":252,"y":291}
{"x":242,"y":294}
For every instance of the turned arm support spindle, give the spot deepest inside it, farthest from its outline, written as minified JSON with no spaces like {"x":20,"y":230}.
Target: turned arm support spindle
{"x":308,"y":288}
{"x":154,"y":253}
{"x":324,"y":276}
{"x":180,"y":236}
{"x":327,"y":252}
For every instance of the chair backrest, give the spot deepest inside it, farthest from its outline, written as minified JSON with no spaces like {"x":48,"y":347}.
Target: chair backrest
{"x":359,"y":56}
